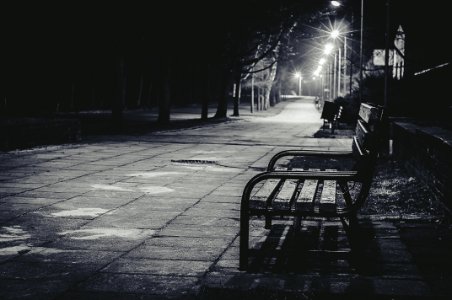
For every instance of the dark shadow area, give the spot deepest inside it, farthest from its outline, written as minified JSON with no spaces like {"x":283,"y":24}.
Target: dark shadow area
{"x":430,"y":244}
{"x":342,"y":131}
{"x":317,"y":248}
{"x":317,"y":262}
{"x":135,"y":124}
{"x":26,"y":132}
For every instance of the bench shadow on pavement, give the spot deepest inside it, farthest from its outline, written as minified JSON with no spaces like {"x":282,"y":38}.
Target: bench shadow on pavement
{"x":317,"y":262}
{"x":317,"y":247}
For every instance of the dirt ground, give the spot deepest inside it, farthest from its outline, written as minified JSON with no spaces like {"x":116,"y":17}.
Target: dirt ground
{"x":395,"y":192}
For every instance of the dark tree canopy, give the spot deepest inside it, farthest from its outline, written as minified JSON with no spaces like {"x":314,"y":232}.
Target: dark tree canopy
{"x":78,"y":56}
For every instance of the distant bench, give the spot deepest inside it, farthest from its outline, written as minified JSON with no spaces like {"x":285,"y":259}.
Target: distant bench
{"x":331,"y":114}
{"x":323,"y":192}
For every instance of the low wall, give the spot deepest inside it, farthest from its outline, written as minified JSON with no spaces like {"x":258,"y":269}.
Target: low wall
{"x":427,"y":152}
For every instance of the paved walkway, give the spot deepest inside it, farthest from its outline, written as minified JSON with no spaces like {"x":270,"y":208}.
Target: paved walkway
{"x":156,"y":216}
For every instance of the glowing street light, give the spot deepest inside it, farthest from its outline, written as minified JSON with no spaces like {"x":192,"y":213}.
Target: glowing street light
{"x":335,"y":3}
{"x":335,"y":34}
{"x":300,"y":77}
{"x":337,"y":73}
{"x":328,"y":48}
{"x":317,"y":71}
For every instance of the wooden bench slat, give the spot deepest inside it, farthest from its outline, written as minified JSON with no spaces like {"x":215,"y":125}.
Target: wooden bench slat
{"x":328,"y":192}
{"x":369,"y":114}
{"x":308,"y":190}
{"x":285,"y":194}
{"x":363,"y":136}
{"x":266,"y":189}
{"x":286,"y":191}
{"x":306,"y":196}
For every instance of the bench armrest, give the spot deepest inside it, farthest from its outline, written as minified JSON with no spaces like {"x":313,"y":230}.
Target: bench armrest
{"x":294,"y":153}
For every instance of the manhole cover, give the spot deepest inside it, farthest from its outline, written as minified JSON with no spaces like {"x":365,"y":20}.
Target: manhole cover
{"x":195,"y":161}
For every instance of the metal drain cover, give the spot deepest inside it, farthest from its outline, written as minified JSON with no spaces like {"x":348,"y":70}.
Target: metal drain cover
{"x":195,"y":161}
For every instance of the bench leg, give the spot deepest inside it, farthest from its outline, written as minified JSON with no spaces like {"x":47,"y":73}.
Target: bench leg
{"x":297,"y":223}
{"x":351,"y":227}
{"x":244,"y":240}
{"x":268,"y":222}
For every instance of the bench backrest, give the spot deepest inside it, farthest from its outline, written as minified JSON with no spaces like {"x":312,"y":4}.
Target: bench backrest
{"x":329,"y":110}
{"x":366,"y":143}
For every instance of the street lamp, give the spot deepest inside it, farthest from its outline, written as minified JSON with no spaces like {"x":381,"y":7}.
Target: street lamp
{"x":300,"y":77}
{"x":338,"y":4}
{"x":328,"y":49}
{"x":335,"y":3}
{"x":335,"y":35}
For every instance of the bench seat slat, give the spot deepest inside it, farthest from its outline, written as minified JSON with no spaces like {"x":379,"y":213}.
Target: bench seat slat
{"x":286,"y":191}
{"x":308,"y":190}
{"x":305,"y":199}
{"x":328,"y":192}
{"x":266,"y":189}
{"x":285,"y":194}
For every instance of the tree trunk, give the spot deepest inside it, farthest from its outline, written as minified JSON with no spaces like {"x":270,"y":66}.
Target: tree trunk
{"x":118,"y":105}
{"x":149,"y":103}
{"x":267,"y":97}
{"x":72,"y":99}
{"x":140,"y":90}
{"x":252,"y":93}
{"x":237,"y":95}
{"x":222,"y":108}
{"x":260,"y":99}
{"x":165,"y":99}
{"x":205,"y":92}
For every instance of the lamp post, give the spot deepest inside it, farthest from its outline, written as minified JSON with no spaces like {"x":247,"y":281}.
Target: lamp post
{"x":361,"y":51}
{"x":299,"y":77}
{"x":337,"y":65}
{"x":318,"y":74}
{"x":345,"y":66}
{"x":327,"y":51}
{"x":338,"y":4}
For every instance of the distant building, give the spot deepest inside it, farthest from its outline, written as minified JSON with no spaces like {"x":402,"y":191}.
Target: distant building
{"x":398,"y":67}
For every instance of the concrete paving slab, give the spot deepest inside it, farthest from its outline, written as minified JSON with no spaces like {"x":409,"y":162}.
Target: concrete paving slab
{"x":158,"y":267}
{"x":168,"y":287}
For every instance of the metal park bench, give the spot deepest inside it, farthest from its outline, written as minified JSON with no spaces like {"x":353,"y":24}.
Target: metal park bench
{"x":315,"y":192}
{"x":331,"y":113}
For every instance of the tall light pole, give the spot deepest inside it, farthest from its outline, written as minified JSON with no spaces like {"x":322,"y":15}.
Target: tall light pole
{"x":299,"y":77}
{"x":338,"y":4}
{"x":335,"y":76}
{"x":345,"y":66}
{"x":327,"y":51}
{"x":386,"y":87}
{"x":361,"y":51}
{"x":318,"y":74}
{"x":335,"y":34}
